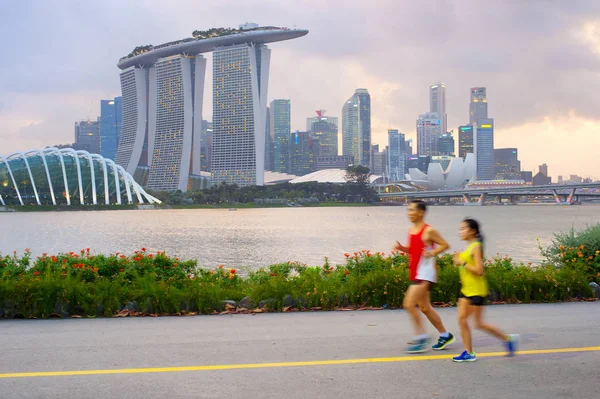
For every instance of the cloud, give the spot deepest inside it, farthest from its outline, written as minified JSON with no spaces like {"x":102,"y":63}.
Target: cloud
{"x":537,"y":58}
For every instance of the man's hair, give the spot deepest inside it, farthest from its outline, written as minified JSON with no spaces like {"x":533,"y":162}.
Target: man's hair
{"x":422,"y":206}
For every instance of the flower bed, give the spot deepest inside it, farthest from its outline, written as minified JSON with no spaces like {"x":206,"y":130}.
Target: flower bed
{"x":84,"y":284}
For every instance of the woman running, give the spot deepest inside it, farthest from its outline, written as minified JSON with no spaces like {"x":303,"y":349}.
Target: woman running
{"x":474,"y":291}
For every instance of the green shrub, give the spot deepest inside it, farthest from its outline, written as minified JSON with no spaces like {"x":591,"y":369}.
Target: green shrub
{"x":87,"y":284}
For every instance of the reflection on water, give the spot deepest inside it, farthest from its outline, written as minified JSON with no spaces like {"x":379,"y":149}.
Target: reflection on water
{"x":257,"y":237}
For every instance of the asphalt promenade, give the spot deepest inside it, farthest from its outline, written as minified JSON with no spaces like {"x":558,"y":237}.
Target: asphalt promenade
{"x":299,"y":355}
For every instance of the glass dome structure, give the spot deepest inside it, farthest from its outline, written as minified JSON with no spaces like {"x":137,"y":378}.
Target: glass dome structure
{"x":66,"y":177}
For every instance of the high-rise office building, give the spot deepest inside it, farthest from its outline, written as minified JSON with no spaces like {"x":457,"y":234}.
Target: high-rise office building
{"x":111,"y":117}
{"x":269,"y":143}
{"x":206,"y":146}
{"x":397,"y":157}
{"x":420,"y":162}
{"x":429,"y":130}
{"x":162,"y":88}
{"x":465,"y":140}
{"x":379,"y":159}
{"x":507,"y":164}
{"x":356,"y":127}
{"x":437,"y":103}
{"x":409,"y":148}
{"x":544,"y":169}
{"x":303,"y":151}
{"x":484,"y":148}
{"x":87,"y":136}
{"x":478,"y":107}
{"x":281,"y":127}
{"x":325,"y":130}
{"x":447,"y":144}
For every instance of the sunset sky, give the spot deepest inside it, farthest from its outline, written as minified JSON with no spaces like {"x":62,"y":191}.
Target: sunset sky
{"x":538,"y":59}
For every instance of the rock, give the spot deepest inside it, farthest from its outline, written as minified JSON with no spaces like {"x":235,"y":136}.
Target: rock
{"x":493,"y":296}
{"x":9,"y":308}
{"x":149,"y":305}
{"x":344,"y":301}
{"x":595,"y":289}
{"x":288,"y":301}
{"x":301,"y":302}
{"x":247,"y":303}
{"x":99,"y":309}
{"x":62,"y":308}
{"x":1,"y":313}
{"x":228,"y":304}
{"x":132,"y":306}
{"x":267,"y":303}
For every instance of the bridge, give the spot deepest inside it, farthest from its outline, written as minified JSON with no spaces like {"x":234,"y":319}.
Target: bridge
{"x":563,"y":194}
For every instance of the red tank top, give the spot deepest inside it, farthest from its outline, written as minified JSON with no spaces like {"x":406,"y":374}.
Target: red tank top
{"x":415,"y":253}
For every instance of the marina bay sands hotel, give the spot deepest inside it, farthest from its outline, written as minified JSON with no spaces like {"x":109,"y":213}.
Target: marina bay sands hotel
{"x":162,"y":89}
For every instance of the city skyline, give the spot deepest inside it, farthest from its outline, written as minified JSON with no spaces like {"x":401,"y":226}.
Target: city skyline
{"x":39,"y":110}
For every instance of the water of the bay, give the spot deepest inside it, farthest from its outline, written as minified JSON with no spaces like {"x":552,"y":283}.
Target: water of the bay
{"x":257,"y":237}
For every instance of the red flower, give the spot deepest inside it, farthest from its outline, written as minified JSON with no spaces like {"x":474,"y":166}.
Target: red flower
{"x":346,"y":255}
{"x":36,"y":273}
{"x":143,"y":249}
{"x":27,"y":250}
{"x":346,"y":272}
{"x":121,"y":270}
{"x":64,"y":261}
{"x":150,"y":256}
{"x":232,"y":271}
{"x":220,"y":266}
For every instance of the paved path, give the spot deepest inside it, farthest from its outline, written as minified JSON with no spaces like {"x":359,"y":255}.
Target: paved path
{"x":311,"y":355}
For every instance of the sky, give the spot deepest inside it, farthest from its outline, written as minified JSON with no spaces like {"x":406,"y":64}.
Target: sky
{"x":538,"y":59}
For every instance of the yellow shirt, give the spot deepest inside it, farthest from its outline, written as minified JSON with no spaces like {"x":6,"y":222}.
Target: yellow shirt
{"x":472,"y":284}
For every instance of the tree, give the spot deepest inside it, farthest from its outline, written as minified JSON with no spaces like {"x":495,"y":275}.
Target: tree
{"x":357,"y":174}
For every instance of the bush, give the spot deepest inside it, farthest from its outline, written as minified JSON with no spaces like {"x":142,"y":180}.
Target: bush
{"x":98,"y":285}
{"x":579,"y":248}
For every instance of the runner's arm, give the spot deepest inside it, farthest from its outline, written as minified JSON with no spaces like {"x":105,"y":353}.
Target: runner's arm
{"x":442,"y":245}
{"x":476,"y":269}
{"x":401,"y":248}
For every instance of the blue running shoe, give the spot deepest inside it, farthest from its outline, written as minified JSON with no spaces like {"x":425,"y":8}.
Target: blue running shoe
{"x":443,"y":342}
{"x":512,"y":344}
{"x":417,"y":346}
{"x":465,"y":357}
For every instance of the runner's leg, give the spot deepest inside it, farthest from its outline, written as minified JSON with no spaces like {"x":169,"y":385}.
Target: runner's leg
{"x":427,"y":309}
{"x":464,"y":311}
{"x":411,"y":300}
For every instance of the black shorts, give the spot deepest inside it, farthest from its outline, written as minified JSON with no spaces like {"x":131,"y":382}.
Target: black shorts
{"x":418,"y":282}
{"x":475,"y":300}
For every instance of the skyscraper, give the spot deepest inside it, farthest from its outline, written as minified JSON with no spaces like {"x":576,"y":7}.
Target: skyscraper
{"x":325,"y":130}
{"x":484,"y":148}
{"x":87,"y":136}
{"x":397,"y":157}
{"x":241,"y":75}
{"x":162,"y":88}
{"x":465,"y":140}
{"x":269,"y":143}
{"x":437,"y":103}
{"x":478,"y":108}
{"x":206,"y":146}
{"x":447,"y":144}
{"x":429,"y":130}
{"x":544,"y":169}
{"x":356,"y":127}
{"x":302,"y":153}
{"x":280,"y":126}
{"x":111,"y":116}
{"x":507,"y":165}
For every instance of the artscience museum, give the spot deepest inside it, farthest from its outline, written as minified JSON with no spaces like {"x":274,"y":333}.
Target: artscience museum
{"x":458,"y":173}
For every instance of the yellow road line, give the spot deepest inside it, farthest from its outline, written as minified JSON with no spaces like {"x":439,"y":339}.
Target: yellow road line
{"x":284,"y":364}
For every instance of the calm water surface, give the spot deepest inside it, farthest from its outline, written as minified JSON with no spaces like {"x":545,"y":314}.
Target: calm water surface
{"x":258,"y":237}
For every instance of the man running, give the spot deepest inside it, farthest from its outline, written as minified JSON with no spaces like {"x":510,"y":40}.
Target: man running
{"x":423,"y":274}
